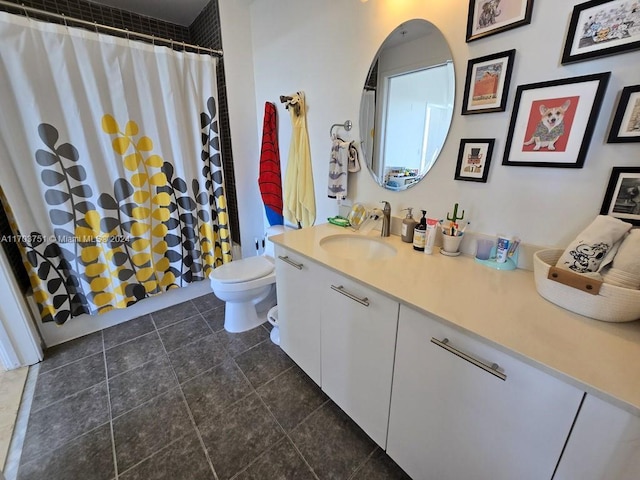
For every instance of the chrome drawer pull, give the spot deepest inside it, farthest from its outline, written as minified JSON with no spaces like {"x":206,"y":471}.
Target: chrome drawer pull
{"x":340,"y":289}
{"x":290,"y":262}
{"x":492,"y":369}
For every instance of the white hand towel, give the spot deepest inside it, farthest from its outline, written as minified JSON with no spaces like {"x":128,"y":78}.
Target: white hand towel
{"x":338,"y":169}
{"x":354,"y":158}
{"x":595,"y":246}
{"x":625,"y":268}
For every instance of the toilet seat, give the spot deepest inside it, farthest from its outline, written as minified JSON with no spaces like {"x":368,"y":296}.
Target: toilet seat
{"x":243,"y":270}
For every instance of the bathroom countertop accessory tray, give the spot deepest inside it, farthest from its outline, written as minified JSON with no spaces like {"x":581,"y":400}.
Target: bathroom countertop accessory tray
{"x":608,"y":304}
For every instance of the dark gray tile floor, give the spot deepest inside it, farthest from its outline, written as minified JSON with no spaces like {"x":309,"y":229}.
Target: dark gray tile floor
{"x":174,"y":396}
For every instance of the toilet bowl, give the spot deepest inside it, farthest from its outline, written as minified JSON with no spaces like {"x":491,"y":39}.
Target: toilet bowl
{"x":248,"y":288}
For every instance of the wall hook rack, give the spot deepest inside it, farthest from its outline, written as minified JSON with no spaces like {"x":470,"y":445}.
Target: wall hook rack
{"x":346,"y":125}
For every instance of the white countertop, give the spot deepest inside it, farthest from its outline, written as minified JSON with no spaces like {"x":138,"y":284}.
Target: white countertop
{"x":502,"y":307}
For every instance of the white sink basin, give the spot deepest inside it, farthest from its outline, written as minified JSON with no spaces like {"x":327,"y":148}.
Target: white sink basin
{"x":355,"y":247}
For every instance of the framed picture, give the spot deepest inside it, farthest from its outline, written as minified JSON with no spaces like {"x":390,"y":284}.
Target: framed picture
{"x":622,"y":199}
{"x":552,"y":122}
{"x":488,"y":17}
{"x":626,"y":121}
{"x":474,"y":159}
{"x":487,"y":83}
{"x":602,"y":27}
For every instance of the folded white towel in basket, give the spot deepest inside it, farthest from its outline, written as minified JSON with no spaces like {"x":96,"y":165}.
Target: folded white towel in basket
{"x":625,"y":268}
{"x":595,"y":247}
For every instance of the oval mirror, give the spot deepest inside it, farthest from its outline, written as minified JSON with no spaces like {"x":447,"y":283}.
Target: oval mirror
{"x":407,"y":104}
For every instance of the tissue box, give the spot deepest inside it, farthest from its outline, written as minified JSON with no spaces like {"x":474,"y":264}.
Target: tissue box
{"x":610,"y":304}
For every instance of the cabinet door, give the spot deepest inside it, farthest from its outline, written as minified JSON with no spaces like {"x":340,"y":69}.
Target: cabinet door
{"x":298,"y":283}
{"x":451,"y":419}
{"x":604,"y":444}
{"x":358,"y":344}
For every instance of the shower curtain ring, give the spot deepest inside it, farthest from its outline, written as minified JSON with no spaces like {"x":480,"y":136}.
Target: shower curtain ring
{"x":153,"y":40}
{"x":26,"y":13}
{"x":95,"y":26}
{"x":128,"y":34}
{"x":64,"y":19}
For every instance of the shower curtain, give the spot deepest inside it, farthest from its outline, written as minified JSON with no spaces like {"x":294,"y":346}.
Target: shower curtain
{"x":110,"y":162}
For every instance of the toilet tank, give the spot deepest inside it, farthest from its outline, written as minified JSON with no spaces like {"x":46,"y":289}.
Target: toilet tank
{"x":273,"y":230}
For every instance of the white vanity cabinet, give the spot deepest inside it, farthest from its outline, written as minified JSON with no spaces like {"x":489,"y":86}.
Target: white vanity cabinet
{"x":299,"y":283}
{"x":358,"y":344}
{"x":452,"y":418}
{"x":604,"y":444}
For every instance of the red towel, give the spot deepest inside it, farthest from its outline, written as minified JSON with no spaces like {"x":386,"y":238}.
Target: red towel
{"x":270,"y":180}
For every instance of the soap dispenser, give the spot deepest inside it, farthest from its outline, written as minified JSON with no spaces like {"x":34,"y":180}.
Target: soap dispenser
{"x":420,"y":233}
{"x":408,"y":225}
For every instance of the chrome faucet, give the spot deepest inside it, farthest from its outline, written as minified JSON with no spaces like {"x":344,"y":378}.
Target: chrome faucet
{"x":386,"y":219}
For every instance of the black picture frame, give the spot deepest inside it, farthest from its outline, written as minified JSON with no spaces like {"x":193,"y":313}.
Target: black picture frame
{"x":625,"y":127}
{"x":574,"y":104}
{"x":595,"y":30}
{"x":474,"y":159}
{"x":491,"y":75}
{"x":484,"y":19}
{"x":622,"y":198}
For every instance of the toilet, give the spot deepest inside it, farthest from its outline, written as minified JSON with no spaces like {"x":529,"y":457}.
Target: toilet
{"x":248,"y":286}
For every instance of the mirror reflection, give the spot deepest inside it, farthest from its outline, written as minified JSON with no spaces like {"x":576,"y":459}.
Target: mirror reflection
{"x":407,"y":104}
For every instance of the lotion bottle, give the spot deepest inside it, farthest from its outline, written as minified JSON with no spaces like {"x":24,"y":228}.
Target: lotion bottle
{"x":408,"y":225}
{"x":420,"y":233}
{"x":432,"y":229}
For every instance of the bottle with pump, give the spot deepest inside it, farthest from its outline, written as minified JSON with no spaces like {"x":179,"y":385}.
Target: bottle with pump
{"x":420,"y":233}
{"x":408,"y":225}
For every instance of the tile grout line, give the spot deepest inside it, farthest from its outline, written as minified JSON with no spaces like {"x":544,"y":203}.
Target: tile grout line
{"x":179,"y":322}
{"x":65,"y":444}
{"x":286,"y":435}
{"x":361,"y":466}
{"x":113,"y":438}
{"x":65,"y":398}
{"x":246,"y":350}
{"x":166,"y":447}
{"x":47,"y":405}
{"x":255,"y":460}
{"x":184,"y":401}
{"x":84,"y":357}
{"x":277,"y":376}
{"x":168,"y":359}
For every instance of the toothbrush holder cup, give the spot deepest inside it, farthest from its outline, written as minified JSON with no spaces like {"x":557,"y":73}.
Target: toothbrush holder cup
{"x":483,"y":248}
{"x":451,"y":243}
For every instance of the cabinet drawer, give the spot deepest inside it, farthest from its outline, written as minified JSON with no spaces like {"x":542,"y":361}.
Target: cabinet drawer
{"x":453,"y":418}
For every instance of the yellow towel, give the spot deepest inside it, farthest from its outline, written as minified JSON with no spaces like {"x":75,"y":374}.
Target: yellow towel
{"x":299,"y":196}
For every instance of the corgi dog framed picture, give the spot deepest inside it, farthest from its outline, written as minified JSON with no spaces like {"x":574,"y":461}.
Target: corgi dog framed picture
{"x":552,"y":122}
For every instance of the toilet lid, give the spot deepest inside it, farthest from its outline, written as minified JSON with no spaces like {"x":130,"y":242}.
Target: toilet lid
{"x":243,"y":270}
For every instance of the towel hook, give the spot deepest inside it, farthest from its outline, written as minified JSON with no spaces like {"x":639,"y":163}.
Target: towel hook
{"x":346,"y":125}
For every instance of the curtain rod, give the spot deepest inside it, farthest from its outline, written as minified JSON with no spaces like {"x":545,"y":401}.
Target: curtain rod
{"x":96,"y":26}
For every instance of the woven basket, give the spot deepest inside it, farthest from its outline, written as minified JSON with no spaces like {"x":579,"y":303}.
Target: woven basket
{"x":611,"y":304}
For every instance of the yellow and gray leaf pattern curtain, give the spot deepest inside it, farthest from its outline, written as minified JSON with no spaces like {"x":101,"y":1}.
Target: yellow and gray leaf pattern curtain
{"x":111,"y":166}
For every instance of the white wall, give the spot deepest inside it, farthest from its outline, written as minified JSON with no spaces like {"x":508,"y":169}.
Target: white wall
{"x":244,"y":117}
{"x":325,"y":48}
